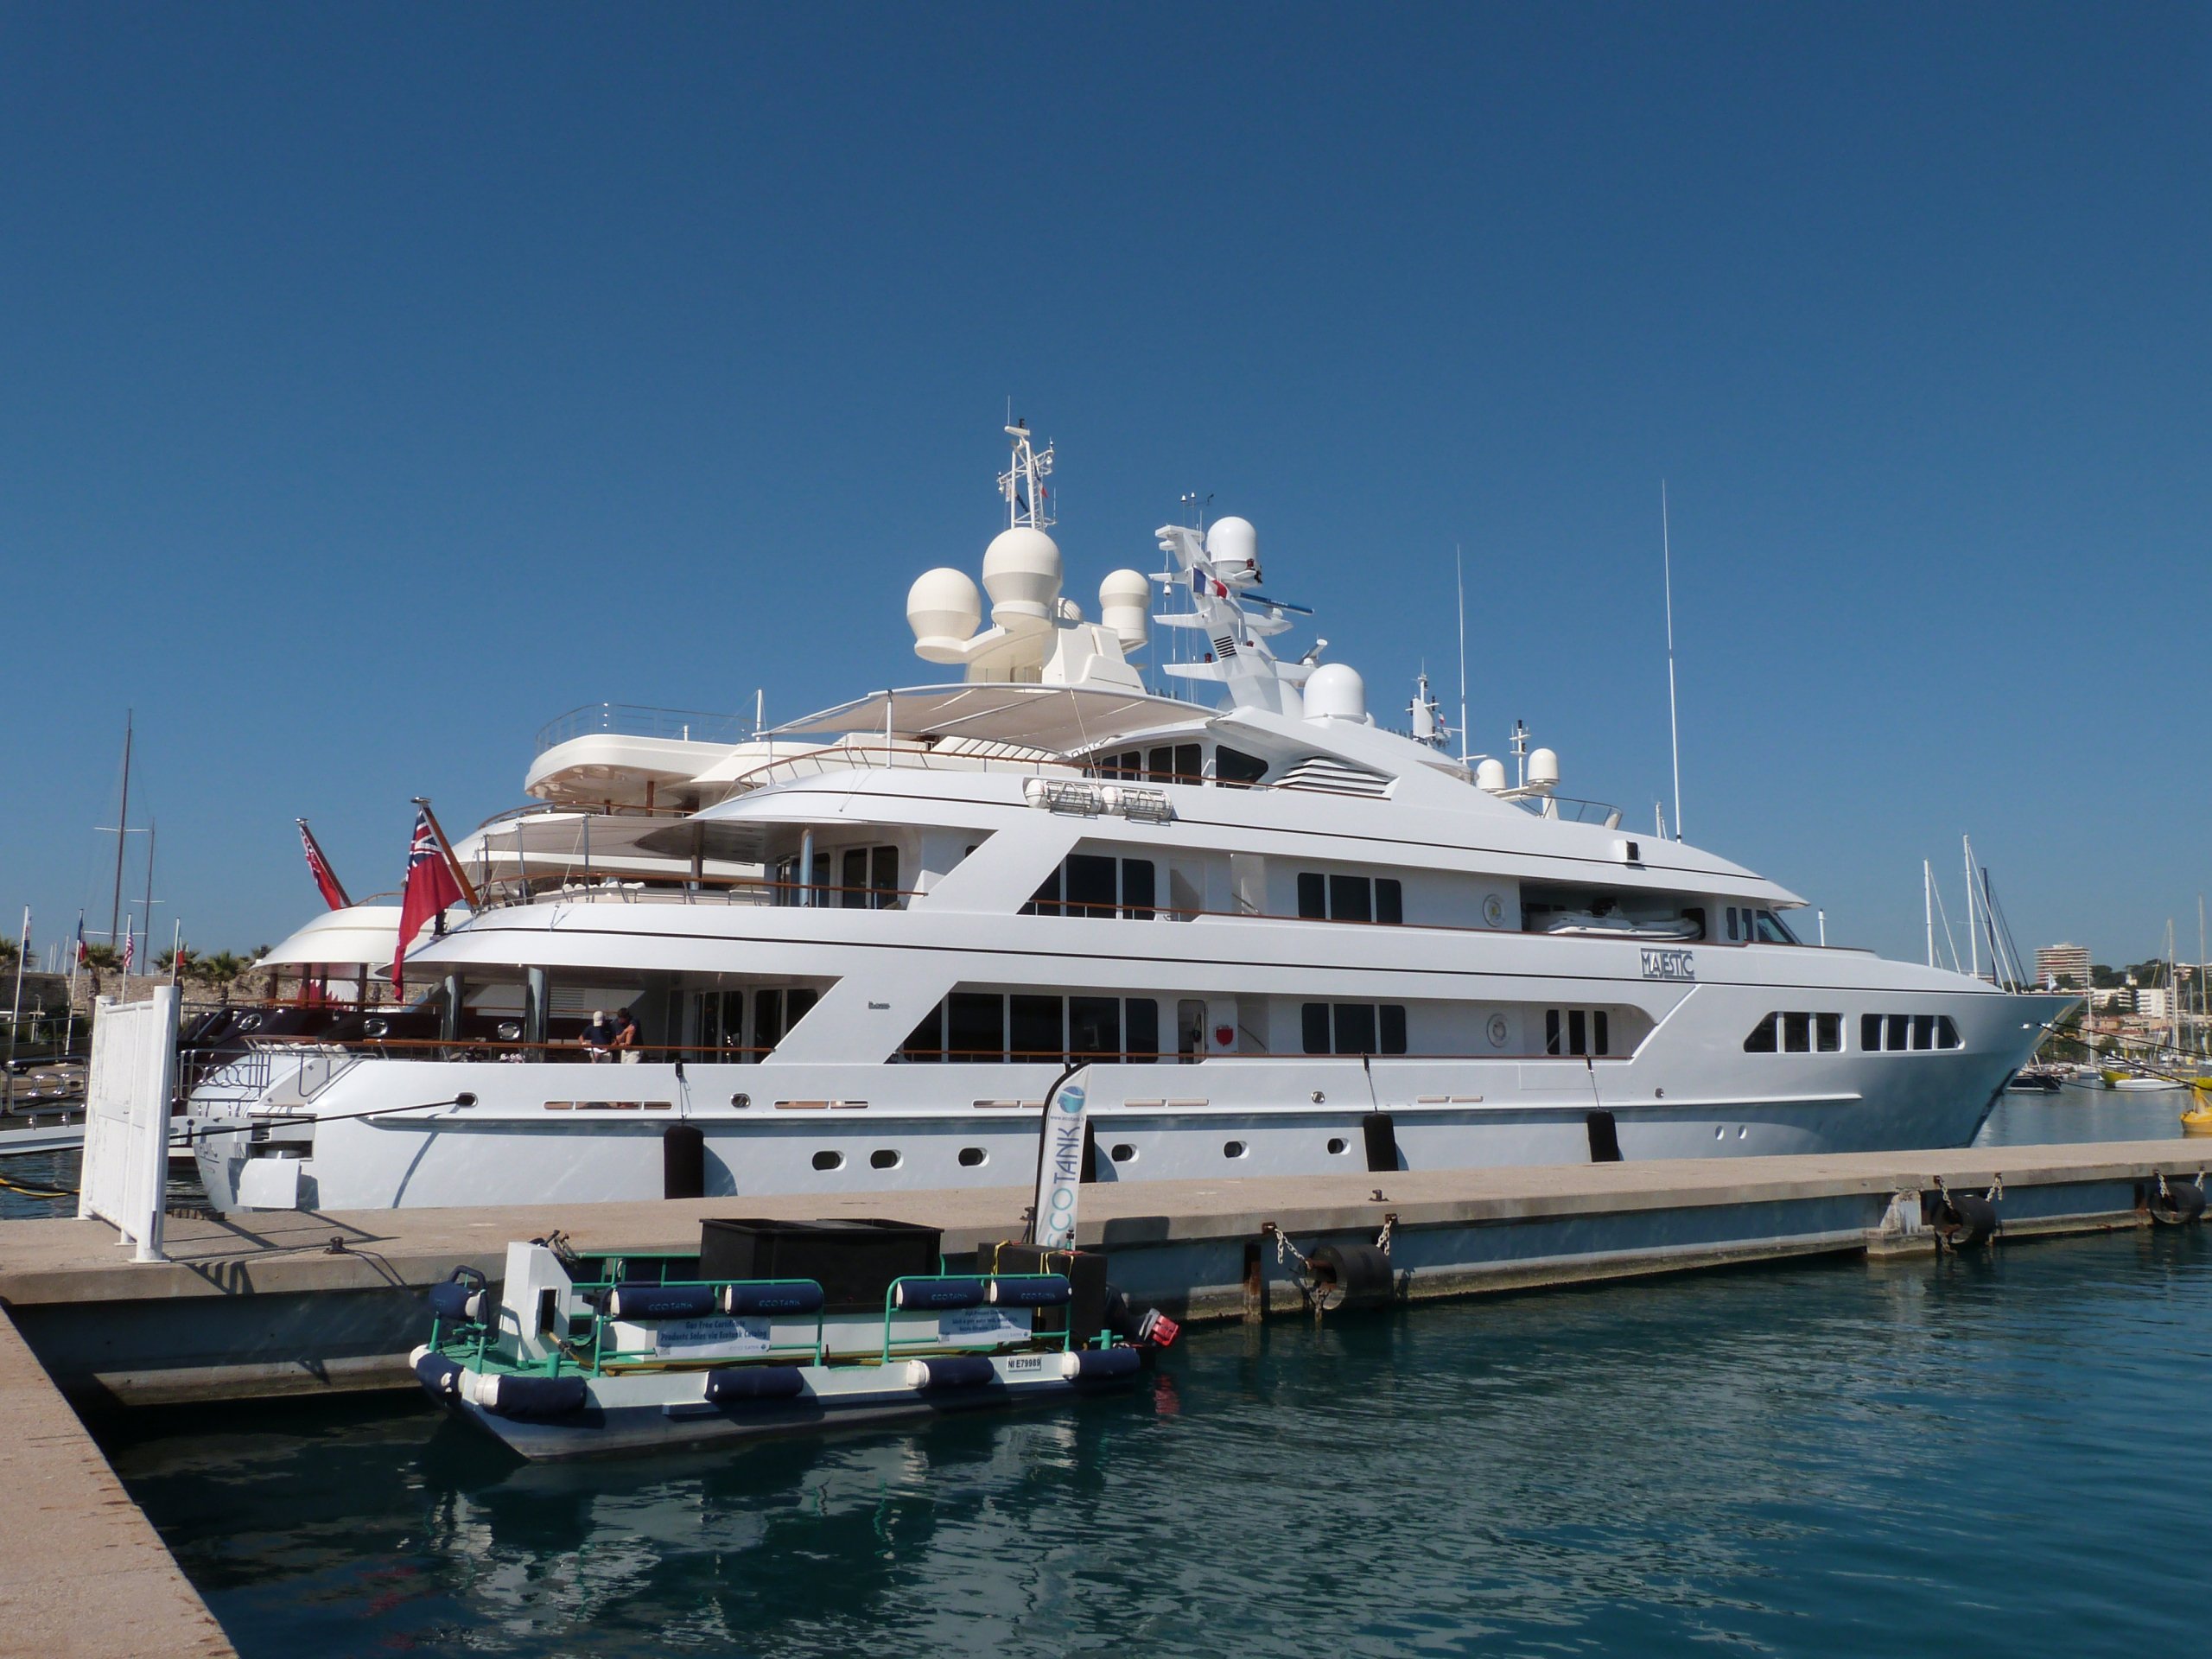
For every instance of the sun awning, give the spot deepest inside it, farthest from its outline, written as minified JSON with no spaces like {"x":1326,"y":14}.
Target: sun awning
{"x":1051,"y":720}
{"x":340,"y":939}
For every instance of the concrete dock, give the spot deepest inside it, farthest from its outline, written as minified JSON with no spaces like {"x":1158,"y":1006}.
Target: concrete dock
{"x":303,"y":1302}
{"x":82,"y":1572}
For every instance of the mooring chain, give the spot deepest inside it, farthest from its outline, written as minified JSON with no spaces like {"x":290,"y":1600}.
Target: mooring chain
{"x":1997,"y":1190}
{"x":1382,"y":1238}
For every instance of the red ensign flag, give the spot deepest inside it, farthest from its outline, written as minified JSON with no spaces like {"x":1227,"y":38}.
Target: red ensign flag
{"x":431,"y":891}
{"x":319,"y":867}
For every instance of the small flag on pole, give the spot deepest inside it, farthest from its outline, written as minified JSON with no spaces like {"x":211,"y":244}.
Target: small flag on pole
{"x":431,"y":891}
{"x":333,"y":894}
{"x":130,"y":945}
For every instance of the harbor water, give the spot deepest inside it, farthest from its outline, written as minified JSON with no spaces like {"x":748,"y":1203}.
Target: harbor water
{"x":1990,"y":1452}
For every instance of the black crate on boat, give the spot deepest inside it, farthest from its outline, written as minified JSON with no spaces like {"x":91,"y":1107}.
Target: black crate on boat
{"x":854,"y":1261}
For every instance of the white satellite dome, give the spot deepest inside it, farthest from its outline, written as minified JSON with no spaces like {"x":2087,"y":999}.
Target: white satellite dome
{"x":1335,"y":691}
{"x":1125,"y":606}
{"x":1543,"y":769}
{"x":1232,"y":541}
{"x":1490,"y":774}
{"x":943,"y":607}
{"x":1022,"y":573}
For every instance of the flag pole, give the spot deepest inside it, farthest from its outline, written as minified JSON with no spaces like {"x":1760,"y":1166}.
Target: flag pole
{"x":16,"y":1008}
{"x":76,"y":961}
{"x":459,"y":876}
{"x":322,"y":859}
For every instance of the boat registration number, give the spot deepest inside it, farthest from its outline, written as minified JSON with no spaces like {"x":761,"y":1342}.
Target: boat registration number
{"x":1669,"y":964}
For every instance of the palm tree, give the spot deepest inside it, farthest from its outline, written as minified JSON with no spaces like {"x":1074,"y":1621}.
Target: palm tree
{"x":100,"y":959}
{"x":9,"y":950}
{"x":221,"y":970}
{"x":177,"y":964}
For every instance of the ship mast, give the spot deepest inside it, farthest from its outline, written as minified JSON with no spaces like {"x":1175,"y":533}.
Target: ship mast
{"x":1022,"y":483}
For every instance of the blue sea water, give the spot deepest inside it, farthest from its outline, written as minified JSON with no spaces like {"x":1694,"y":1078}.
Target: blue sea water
{"x":2000,"y":1452}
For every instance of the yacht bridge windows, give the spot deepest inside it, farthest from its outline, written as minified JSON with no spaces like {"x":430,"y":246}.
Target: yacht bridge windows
{"x":996,"y":1026}
{"x":1098,"y":884}
{"x":1335,"y":896}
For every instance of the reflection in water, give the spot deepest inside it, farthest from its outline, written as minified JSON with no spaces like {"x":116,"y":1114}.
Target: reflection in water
{"x":1821,"y":1459}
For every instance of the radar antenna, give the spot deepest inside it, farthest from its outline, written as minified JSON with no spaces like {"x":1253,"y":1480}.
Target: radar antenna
{"x":1028,"y":501}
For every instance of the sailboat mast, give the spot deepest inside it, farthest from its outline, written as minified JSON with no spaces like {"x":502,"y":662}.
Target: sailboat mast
{"x":122,"y":833}
{"x":1459,"y":572}
{"x":1927,"y":907}
{"x":1973,"y":939}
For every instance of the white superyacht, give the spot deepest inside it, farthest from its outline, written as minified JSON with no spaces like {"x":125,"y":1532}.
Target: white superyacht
{"x":1284,"y":939}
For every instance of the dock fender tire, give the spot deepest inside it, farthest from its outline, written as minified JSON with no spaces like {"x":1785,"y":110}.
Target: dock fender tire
{"x":1353,"y":1275}
{"x":534,"y":1396}
{"x":1100,"y":1365}
{"x":952,"y":1371}
{"x":2181,"y":1204}
{"x":1965,"y":1220}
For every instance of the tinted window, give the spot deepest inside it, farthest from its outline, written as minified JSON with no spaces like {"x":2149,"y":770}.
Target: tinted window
{"x":1946,"y":1034}
{"x":1349,"y":898}
{"x":1355,"y":1027}
{"x":1089,"y":885}
{"x":1034,"y":1028}
{"x":1094,"y":1026}
{"x":1137,"y":888}
{"x":1603,"y":1043}
{"x":1797,"y":1033}
{"x":1870,"y":1032}
{"x":1731,"y":922}
{"x":1389,"y":900}
{"x":1188,"y":766}
{"x":1899,"y":1025}
{"x":1142,"y":1017}
{"x":885,"y":876}
{"x":1312,"y":895}
{"x":1551,"y":1031}
{"x":1161,"y":763}
{"x":767,"y":1018}
{"x":1578,"y":1031}
{"x":1392,"y":1022}
{"x":1827,"y":1033}
{"x":1764,"y":1037}
{"x":976,"y":1025}
{"x":1237,"y":768}
{"x":1314,"y":1023}
{"x":1924,"y":1031}
{"x":1046,"y":901}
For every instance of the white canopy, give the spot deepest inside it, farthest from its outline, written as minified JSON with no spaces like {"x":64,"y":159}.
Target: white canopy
{"x":1050,"y":720}
{"x":341,"y":938}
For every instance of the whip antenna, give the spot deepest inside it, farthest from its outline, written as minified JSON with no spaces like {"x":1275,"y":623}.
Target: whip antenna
{"x":1673,"y":724}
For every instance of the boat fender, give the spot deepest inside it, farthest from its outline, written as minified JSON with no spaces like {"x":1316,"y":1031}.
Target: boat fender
{"x":793,"y":1296}
{"x":660,"y":1301}
{"x":755,"y":1382}
{"x":532,"y":1396}
{"x":952,"y":1371}
{"x":461,"y":1303}
{"x":2176,"y":1203}
{"x":1030,"y":1290}
{"x":930,"y":1293}
{"x":1352,"y":1276}
{"x":1961,"y":1220}
{"x":1099,"y":1364}
{"x":439,"y":1375}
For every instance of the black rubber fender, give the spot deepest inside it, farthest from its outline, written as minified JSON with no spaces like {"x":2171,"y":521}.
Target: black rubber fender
{"x":1352,"y":1276}
{"x":2180,"y":1205}
{"x":1962,"y":1220}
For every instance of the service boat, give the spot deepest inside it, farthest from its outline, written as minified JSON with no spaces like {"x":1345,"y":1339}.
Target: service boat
{"x":1285,"y":940}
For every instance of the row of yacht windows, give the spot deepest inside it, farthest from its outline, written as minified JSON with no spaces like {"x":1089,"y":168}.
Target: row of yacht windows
{"x":1350,"y":897}
{"x":986,"y":1025}
{"x":1823,"y":1034}
{"x":1900,"y":1031}
{"x":848,"y":878}
{"x":1093,"y":884}
{"x":1577,"y":1030}
{"x":1749,"y":926}
{"x":1353,"y":1027}
{"x":1183,"y":763}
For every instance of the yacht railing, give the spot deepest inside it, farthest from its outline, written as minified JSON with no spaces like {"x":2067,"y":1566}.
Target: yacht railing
{"x":1567,"y":810}
{"x":635,"y":720}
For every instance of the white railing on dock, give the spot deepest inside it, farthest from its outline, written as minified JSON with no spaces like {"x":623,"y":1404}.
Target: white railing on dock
{"x":126,"y":1162}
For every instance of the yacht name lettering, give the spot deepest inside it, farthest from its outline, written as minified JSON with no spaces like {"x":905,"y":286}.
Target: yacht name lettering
{"x":1669,"y":964}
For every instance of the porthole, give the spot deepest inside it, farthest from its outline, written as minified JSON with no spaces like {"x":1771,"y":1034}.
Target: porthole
{"x":1494,"y":910}
{"x":376,"y":1027}
{"x":1743,"y":1129}
{"x":972,"y":1157}
{"x":1124,"y":1153}
{"x":1719,"y":1132}
{"x":1499,"y":1031}
{"x":740,"y":1101}
{"x":510,"y":1031}
{"x":1336,"y":1147}
{"x":1233,"y":1150}
{"x":828,"y":1159}
{"x":883,"y":1158}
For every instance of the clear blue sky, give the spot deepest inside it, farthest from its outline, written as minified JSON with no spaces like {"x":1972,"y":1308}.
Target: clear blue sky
{"x":382,"y":381}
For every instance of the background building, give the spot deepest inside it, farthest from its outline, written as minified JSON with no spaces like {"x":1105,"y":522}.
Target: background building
{"x":2069,"y":963}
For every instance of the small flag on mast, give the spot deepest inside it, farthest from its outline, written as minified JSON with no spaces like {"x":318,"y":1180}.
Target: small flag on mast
{"x":130,"y":945}
{"x":333,"y":894}
{"x":431,"y":891}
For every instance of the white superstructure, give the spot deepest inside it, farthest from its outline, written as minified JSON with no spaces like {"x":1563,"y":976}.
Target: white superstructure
{"x":1286,"y":939}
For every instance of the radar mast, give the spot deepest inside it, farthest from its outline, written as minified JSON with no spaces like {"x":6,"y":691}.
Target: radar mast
{"x":1028,"y":501}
